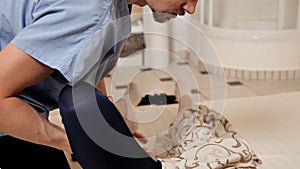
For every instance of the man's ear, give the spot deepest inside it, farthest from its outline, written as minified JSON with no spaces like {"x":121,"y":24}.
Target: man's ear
{"x":185,"y":102}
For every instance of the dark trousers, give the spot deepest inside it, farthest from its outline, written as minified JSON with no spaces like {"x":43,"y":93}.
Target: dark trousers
{"x":84,"y":102}
{"x":17,"y":154}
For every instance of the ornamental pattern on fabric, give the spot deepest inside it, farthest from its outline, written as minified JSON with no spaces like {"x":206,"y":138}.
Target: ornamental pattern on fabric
{"x":201,"y":138}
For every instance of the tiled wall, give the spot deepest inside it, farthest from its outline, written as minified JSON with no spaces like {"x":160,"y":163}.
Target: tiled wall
{"x":240,"y":73}
{"x":253,"y":74}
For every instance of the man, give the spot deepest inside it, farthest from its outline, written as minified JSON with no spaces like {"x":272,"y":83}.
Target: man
{"x":48,"y":44}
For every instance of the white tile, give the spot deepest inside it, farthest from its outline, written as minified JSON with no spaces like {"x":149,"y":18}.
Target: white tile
{"x":246,"y":74}
{"x":297,"y":73}
{"x":161,"y":74}
{"x":253,"y":75}
{"x":296,"y":80}
{"x":150,"y":76}
{"x":271,"y":86}
{"x":134,"y":59}
{"x":201,"y":66}
{"x":291,"y":74}
{"x":197,"y":98}
{"x":117,"y":93}
{"x":271,"y":125}
{"x":233,"y":73}
{"x":228,"y":92}
{"x":276,"y":75}
{"x":283,"y":75}
{"x":123,"y":75}
{"x":183,"y":54}
{"x":227,"y":72}
{"x":161,"y":123}
{"x":206,"y":92}
{"x":204,"y":81}
{"x":239,"y":91}
{"x":220,"y":71}
{"x":269,"y":75}
{"x":240,"y":74}
{"x":261,"y":75}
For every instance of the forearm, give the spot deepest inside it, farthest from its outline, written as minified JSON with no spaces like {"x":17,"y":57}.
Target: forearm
{"x":20,"y":120}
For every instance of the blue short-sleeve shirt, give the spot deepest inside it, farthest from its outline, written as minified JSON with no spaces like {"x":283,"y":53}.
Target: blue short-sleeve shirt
{"x":81,"y":39}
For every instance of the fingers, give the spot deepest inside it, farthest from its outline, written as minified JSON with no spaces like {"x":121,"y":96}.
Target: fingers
{"x":140,"y":137}
{"x":110,"y":98}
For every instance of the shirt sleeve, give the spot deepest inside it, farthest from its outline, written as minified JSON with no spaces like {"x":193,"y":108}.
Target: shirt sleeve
{"x":59,"y":29}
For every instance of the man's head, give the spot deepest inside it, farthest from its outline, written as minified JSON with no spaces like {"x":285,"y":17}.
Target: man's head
{"x":163,"y":10}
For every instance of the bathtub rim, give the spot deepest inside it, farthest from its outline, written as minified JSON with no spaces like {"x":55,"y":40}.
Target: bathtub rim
{"x":247,"y":35}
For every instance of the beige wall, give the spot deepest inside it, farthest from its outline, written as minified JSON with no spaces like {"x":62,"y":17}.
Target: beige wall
{"x":251,"y":14}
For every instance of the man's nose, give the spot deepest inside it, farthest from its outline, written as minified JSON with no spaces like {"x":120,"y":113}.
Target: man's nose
{"x":190,"y":6}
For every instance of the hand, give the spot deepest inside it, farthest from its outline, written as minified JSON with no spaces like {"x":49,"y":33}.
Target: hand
{"x":110,"y":98}
{"x":140,"y":137}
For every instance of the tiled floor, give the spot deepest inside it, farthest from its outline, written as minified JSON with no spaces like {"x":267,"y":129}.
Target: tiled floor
{"x":270,"y":124}
{"x":264,"y":112}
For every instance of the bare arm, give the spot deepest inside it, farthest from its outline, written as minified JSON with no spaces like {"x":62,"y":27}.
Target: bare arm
{"x":18,"y":70}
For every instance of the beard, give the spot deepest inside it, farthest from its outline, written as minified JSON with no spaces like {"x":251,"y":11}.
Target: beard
{"x":162,"y":17}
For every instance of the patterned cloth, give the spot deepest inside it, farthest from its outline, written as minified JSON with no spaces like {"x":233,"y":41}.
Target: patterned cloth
{"x":201,"y":138}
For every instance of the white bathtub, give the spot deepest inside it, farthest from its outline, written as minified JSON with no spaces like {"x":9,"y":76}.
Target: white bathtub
{"x":257,"y":51}
{"x":254,"y":39}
